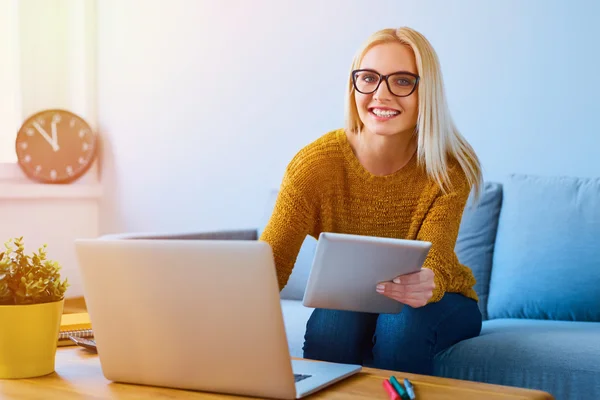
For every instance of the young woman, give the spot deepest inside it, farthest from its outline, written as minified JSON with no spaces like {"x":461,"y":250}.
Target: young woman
{"x":398,"y":169}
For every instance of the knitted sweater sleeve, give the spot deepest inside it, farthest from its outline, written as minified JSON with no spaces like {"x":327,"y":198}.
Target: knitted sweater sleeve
{"x":293,"y":218}
{"x":440,"y":227}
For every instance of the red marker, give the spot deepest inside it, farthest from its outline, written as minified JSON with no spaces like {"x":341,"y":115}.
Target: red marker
{"x":391,"y":391}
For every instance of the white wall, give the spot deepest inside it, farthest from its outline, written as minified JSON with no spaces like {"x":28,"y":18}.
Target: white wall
{"x":203,"y":103}
{"x":51,"y":217}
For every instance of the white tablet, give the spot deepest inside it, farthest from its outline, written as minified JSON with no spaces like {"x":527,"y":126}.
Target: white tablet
{"x":347,"y":268}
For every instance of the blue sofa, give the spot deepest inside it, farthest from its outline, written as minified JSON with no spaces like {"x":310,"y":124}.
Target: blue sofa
{"x":533,"y":244}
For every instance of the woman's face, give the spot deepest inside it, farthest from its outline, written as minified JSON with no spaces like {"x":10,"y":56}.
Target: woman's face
{"x":382,"y":112}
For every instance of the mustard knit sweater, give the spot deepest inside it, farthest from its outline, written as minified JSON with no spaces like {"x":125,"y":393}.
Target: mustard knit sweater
{"x":326,"y":189}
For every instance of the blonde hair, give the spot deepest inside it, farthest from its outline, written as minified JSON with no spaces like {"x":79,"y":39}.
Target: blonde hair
{"x":438,"y":137}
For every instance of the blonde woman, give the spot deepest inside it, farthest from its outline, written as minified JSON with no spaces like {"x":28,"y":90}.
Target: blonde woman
{"x":399,"y":169}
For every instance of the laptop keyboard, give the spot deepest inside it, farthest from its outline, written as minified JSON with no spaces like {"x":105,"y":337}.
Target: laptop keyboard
{"x":300,"y":377}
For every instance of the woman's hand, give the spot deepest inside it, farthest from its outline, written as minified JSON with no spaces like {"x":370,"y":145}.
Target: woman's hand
{"x":414,"y":289}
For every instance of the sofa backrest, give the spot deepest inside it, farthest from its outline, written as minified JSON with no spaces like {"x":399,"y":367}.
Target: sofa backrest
{"x":475,"y":244}
{"x":477,"y":236}
{"x":547,"y":252}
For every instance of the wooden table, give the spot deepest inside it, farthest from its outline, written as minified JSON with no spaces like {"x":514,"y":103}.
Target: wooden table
{"x":78,"y":376}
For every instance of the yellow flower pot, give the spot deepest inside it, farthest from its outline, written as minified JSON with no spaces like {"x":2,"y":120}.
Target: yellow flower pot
{"x":28,"y":339}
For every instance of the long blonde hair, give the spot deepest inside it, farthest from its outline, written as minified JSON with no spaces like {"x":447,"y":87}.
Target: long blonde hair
{"x":438,"y":137}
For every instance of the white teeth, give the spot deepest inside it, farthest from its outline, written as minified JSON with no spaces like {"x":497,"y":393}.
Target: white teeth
{"x":385,"y":113}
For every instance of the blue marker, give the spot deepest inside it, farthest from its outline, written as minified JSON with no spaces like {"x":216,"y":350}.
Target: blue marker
{"x":409,"y":389}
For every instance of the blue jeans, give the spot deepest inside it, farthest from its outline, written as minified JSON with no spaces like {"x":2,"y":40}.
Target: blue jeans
{"x":406,"y":342}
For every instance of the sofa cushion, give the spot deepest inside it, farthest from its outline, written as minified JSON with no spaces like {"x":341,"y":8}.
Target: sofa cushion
{"x":477,"y":236}
{"x":295,"y":317}
{"x":294,"y":290}
{"x":547,"y":257}
{"x":558,"y":357}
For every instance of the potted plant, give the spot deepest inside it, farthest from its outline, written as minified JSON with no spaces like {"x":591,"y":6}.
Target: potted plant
{"x":31,"y":307}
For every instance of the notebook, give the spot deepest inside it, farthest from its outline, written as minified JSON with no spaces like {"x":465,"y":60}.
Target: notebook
{"x":77,"y":325}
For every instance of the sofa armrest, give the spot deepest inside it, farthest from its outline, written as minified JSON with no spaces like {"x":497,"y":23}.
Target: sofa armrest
{"x":241,"y":234}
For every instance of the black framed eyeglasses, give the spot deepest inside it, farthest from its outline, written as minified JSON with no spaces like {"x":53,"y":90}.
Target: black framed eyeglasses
{"x":399,"y":84}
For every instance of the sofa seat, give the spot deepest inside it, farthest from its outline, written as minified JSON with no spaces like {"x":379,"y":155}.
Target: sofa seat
{"x":536,"y":354}
{"x":295,"y":317}
{"x":559,"y":356}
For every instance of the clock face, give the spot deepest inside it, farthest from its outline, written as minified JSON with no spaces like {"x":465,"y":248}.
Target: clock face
{"x":55,"y":146}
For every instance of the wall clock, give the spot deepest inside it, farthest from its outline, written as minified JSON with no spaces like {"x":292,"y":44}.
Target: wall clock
{"x":55,"y":146}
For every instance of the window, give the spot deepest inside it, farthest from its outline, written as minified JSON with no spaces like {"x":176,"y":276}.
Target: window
{"x":10,"y":113}
{"x":47,"y":60}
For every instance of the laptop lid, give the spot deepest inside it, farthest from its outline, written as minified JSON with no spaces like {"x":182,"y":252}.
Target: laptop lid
{"x":190,"y":314}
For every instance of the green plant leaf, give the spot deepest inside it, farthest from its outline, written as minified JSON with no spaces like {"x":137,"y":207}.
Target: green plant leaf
{"x":28,"y":279}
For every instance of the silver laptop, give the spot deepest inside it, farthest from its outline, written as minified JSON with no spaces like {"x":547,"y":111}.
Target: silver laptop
{"x":200,"y":315}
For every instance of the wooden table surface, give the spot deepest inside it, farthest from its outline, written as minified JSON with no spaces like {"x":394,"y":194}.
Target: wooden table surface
{"x":78,"y":376}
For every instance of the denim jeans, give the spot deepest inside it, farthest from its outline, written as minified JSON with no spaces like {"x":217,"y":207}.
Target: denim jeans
{"x":406,"y":342}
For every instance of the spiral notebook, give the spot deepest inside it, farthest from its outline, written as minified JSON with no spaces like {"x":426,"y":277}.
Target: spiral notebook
{"x":77,"y":325}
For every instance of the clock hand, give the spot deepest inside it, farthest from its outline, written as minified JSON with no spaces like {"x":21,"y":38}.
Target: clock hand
{"x":45,"y":135}
{"x":55,"y":120}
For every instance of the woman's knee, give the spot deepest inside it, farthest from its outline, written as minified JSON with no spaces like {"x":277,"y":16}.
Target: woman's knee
{"x":338,"y":336}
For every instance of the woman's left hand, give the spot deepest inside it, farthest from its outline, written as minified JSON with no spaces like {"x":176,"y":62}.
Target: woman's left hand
{"x":414,"y":289}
